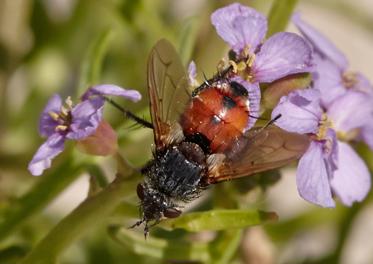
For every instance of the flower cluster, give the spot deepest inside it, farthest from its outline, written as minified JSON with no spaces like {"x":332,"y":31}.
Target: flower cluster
{"x":336,"y":110}
{"x":60,"y":121}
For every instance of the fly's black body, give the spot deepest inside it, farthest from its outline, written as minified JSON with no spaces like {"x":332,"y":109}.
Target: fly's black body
{"x":173,"y":176}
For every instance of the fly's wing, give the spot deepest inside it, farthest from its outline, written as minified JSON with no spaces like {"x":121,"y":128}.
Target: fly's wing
{"x":264,"y":149}
{"x":168,"y":89}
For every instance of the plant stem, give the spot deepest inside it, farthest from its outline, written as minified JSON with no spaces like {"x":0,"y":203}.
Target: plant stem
{"x":84,"y":218}
{"x":38,"y":197}
{"x":279,"y":15}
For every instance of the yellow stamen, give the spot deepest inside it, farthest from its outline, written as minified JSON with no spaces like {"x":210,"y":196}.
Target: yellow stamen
{"x":348,"y":136}
{"x":325,"y":124}
{"x":241,"y":66}
{"x":64,"y":111}
{"x":234,"y":65}
{"x":246,"y":51}
{"x":61,"y":128}
{"x":53,"y":115}
{"x":250,"y":60}
{"x":69,"y":103}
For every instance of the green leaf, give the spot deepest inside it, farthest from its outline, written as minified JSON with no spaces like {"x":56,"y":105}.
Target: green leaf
{"x":48,"y":187}
{"x":219,"y":220}
{"x":84,"y":218}
{"x":91,"y":66}
{"x":224,"y":247}
{"x":279,"y":15}
{"x":161,"y":248}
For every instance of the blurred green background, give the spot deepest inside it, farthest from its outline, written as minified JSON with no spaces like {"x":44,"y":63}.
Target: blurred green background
{"x":46,"y":47}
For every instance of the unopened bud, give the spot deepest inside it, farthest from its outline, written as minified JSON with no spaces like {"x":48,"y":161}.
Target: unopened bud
{"x":102,"y":142}
{"x":284,"y":86}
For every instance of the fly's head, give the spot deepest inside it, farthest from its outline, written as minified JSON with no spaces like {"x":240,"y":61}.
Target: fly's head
{"x":154,"y":206}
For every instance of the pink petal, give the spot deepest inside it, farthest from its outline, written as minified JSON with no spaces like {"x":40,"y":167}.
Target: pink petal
{"x":312,"y":177}
{"x":240,"y":26}
{"x":350,"y":111}
{"x":320,"y":43}
{"x":300,"y":111}
{"x":46,"y":123}
{"x":282,"y":54}
{"x":351,"y":181}
{"x":43,"y":157}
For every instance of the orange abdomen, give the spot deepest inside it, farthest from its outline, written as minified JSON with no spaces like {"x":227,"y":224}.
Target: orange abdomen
{"x":217,"y":114}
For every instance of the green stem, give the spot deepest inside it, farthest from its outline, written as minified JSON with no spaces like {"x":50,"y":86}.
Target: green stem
{"x":84,"y":218}
{"x":38,"y":197}
{"x":279,"y":15}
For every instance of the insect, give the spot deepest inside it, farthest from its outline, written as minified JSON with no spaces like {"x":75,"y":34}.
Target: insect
{"x":200,"y":139}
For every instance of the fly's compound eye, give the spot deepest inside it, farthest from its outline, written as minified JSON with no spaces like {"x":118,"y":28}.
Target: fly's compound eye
{"x":140,"y":191}
{"x":171,"y":213}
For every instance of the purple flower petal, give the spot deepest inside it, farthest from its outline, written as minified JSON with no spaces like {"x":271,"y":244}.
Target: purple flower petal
{"x":111,"y":89}
{"x":43,"y":157}
{"x":350,"y":111}
{"x":254,"y":99}
{"x":363,"y":85}
{"x":351,"y":182}
{"x":282,"y":54}
{"x":300,"y":111}
{"x":47,"y":124}
{"x":328,"y":80}
{"x":312,"y":177}
{"x":320,"y":43}
{"x":367,"y":134}
{"x":331,"y":150}
{"x":86,"y":117}
{"x":240,"y":26}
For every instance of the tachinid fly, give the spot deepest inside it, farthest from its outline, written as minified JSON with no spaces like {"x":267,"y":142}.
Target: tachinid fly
{"x":200,"y":137}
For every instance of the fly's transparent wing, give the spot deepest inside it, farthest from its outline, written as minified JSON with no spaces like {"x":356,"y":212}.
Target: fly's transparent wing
{"x":168,"y":89}
{"x":263,"y":150}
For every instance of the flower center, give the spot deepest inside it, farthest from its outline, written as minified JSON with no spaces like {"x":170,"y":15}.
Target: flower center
{"x":64,"y":117}
{"x":349,"y":79}
{"x":324,"y":125}
{"x":244,"y":64}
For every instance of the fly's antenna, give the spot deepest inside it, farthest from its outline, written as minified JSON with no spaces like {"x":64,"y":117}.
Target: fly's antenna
{"x":270,"y":121}
{"x":129,"y":114}
{"x":273,"y":120}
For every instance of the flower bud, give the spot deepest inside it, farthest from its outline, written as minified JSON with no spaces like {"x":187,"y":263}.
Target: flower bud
{"x":102,"y":142}
{"x":284,"y":86}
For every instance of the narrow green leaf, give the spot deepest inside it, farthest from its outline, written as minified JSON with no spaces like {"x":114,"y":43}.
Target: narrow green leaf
{"x":225,"y":246}
{"x":91,"y":66}
{"x":44,"y":191}
{"x":279,"y":15}
{"x":85,"y":217}
{"x":161,"y":248}
{"x":219,"y":220}
{"x":96,"y":172}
